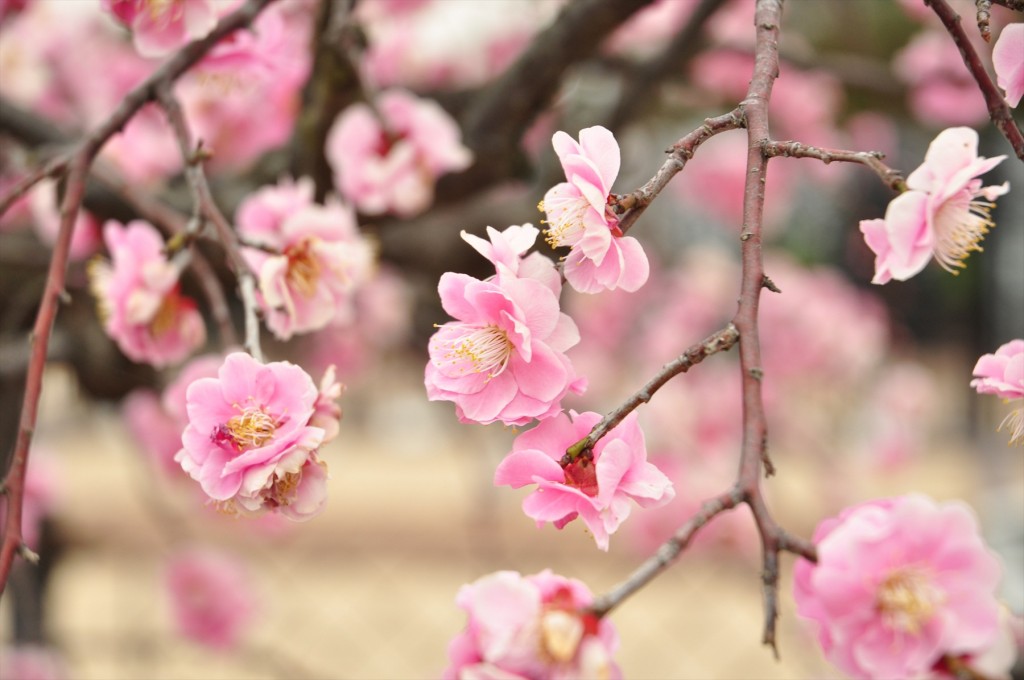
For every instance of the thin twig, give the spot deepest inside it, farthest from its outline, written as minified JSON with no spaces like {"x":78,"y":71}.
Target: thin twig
{"x":55,"y":168}
{"x":998,"y":110}
{"x":871,"y":159}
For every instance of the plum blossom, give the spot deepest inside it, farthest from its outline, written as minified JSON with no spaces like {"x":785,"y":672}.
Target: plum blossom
{"x":316,"y":260}
{"x":1008,"y":62}
{"x":139,"y":300}
{"x":899,"y":585}
{"x":506,"y":250}
{"x":159,"y":27}
{"x":32,"y":661}
{"x":250,"y":441}
{"x":945,"y":213}
{"x":1002,"y":374}
{"x":530,"y":628}
{"x":391,"y":163}
{"x":596,"y":487}
{"x":211,"y":597}
{"x":941,"y":91}
{"x":580,"y":217}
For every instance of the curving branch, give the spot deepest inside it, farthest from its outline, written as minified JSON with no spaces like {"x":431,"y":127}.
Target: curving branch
{"x":891,"y":177}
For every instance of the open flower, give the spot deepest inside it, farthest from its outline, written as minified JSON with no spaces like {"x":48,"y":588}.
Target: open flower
{"x":597,"y":487}
{"x":600,"y":257}
{"x":1002,"y":374}
{"x":249,"y":442}
{"x":506,"y":250}
{"x":900,"y":584}
{"x":138,"y":297}
{"x":161,"y":26}
{"x":944,"y":215}
{"x":530,"y":628}
{"x":1008,"y":62}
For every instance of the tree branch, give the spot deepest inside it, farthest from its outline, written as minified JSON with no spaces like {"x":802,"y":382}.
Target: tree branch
{"x":872,"y":159}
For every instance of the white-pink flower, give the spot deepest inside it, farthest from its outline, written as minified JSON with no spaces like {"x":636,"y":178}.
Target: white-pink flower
{"x":139,"y":300}
{"x":597,"y":487}
{"x":159,"y":27}
{"x":1002,"y":374}
{"x":212,"y":598}
{"x":250,"y":443}
{"x":506,"y":250}
{"x":900,"y":584}
{"x":530,"y":628}
{"x":945,"y":213}
{"x":579,"y":216}
{"x":1008,"y":62}
{"x":314,"y":258}
{"x":391,"y":163}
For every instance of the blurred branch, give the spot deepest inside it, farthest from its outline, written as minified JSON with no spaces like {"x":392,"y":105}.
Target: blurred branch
{"x":1016,"y":5}
{"x":998,"y":110}
{"x":871,"y":159}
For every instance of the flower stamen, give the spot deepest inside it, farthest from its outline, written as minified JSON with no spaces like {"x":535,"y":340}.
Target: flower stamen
{"x":907,"y":599}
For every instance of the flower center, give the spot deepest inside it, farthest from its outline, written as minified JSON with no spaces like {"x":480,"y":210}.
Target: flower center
{"x":303,"y":268}
{"x":166,"y":316}
{"x":565,"y":223}
{"x":282,"y":490}
{"x":960,"y":225}
{"x":250,"y":429}
{"x":561,"y":633}
{"x":164,"y":10}
{"x":486,"y":348}
{"x":907,"y":599}
{"x":1014,"y":421}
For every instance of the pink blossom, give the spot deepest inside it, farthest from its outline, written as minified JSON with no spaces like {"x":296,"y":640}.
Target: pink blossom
{"x":139,"y":300}
{"x":1008,"y":62}
{"x":31,"y":662}
{"x":942,"y":91}
{"x":595,"y":487}
{"x":1002,"y":374}
{"x":320,"y":260}
{"x":506,"y":250}
{"x":530,"y":628}
{"x":580,"y":217}
{"x":212,"y":600}
{"x":391,"y":164}
{"x":249,"y":442}
{"x":899,"y":584}
{"x":503,"y":356}
{"x":160,"y":27}
{"x":944,"y":215}
{"x":43,"y":204}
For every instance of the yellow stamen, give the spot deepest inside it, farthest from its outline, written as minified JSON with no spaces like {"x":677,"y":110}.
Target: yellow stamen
{"x":251,"y":429}
{"x":487,"y":349}
{"x":303,"y":268}
{"x":960,"y":225}
{"x":907,"y":599}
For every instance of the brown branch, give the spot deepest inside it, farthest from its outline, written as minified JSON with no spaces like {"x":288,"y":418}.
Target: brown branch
{"x":713,"y":344}
{"x":998,"y":110}
{"x":871,"y":159}
{"x":55,"y":168}
{"x":80,"y":161}
{"x":1017,"y":5}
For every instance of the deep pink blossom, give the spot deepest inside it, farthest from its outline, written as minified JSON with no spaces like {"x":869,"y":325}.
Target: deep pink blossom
{"x":249,"y":442}
{"x":580,"y":217}
{"x":159,"y":27}
{"x":391,"y":164}
{"x":212,"y":598}
{"x":944,"y":215}
{"x":530,"y":628}
{"x":899,"y":584}
{"x":503,"y":358}
{"x":596,"y":488}
{"x":1008,"y":62}
{"x":139,"y":299}
{"x":317,"y":257}
{"x":1002,"y":374}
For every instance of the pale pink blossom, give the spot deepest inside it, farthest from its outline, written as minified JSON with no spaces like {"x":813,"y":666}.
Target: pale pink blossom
{"x":1008,"y":62}
{"x":942,"y":91}
{"x":1002,"y":374}
{"x":899,"y":584}
{"x":160,"y":27}
{"x":45,"y":210}
{"x":503,"y":358}
{"x":317,"y":257}
{"x":596,"y":487}
{"x":580,"y":216}
{"x":530,"y":628}
{"x":249,"y":442}
{"x":31,"y":662}
{"x":211,"y":596}
{"x":506,"y":250}
{"x":391,"y":163}
{"x":139,"y":300}
{"x":945,"y":213}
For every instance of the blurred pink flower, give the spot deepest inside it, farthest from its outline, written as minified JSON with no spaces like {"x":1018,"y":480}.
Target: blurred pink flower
{"x":1008,"y":62}
{"x":503,"y":358}
{"x":249,"y":442}
{"x":43,"y":205}
{"x":31,"y":662}
{"x":160,"y":27}
{"x":318,"y":257}
{"x":596,"y":488}
{"x":579,"y":216}
{"x":1002,"y":374}
{"x":138,"y":297}
{"x":391,"y":164}
{"x":944,"y":215}
{"x":212,"y":598}
{"x":899,"y":584}
{"x":942,"y":92}
{"x":530,"y":628}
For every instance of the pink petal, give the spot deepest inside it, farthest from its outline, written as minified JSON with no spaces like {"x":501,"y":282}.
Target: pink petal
{"x":521,"y":468}
{"x":599,"y":145}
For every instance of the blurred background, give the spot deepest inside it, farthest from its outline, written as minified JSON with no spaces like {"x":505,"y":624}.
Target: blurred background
{"x":866,"y":386}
